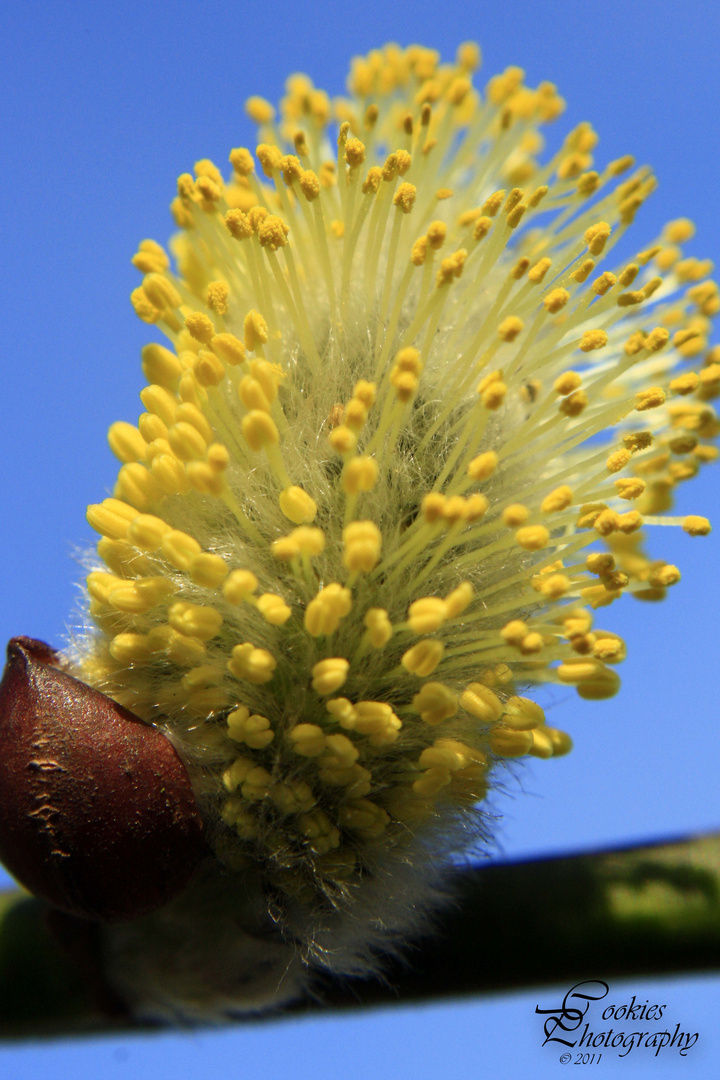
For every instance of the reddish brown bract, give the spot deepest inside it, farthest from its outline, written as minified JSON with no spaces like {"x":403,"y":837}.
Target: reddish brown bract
{"x":97,"y":813}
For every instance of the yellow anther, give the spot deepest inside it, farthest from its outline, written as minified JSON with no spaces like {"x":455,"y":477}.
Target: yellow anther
{"x":239,"y":585}
{"x":242,"y":161}
{"x":297,"y":505}
{"x":423,"y":658}
{"x":158,"y":401}
{"x":605,"y":522}
{"x":431,"y":782}
{"x":273,"y":609}
{"x":354,"y":153}
{"x":200,"y":327}
{"x":377,"y":719}
{"x":253,"y":730}
{"x":254,"y":665}
{"x":481,"y":228}
{"x":273,"y":232}
{"x":597,"y":236}
{"x":169,"y":474}
{"x":513,"y":200}
{"x":509,"y":328}
{"x":180,"y":549}
{"x":427,"y":615}
{"x":444,"y":193}
{"x":129,"y":648}
{"x":238,"y":224}
{"x":558,"y":499}
{"x":144,"y":309}
{"x":329,"y":675}
{"x":533,"y":537}
{"x":161,"y":292}
{"x":435,"y":235}
{"x":186,"y":441}
{"x":554,"y":585}
{"x":269,"y":157}
{"x":483,"y":466}
{"x":630,"y":487}
{"x":580,"y":670}
{"x":252,"y":394}
{"x":628,"y":299}
{"x":195,"y":620}
{"x":662,"y":577}
{"x":217,"y":297}
{"x":638,"y":440}
{"x":618,"y":460}
{"x":304,"y":540}
{"x":555,"y":300}
{"x":685,"y":383}
{"x":435,"y":702}
{"x":150,"y":257}
{"x":362,"y":541}
{"x":255,"y":330}
{"x":584,"y":271}
{"x":514,"y":515}
{"x":451,"y":267}
{"x":378,"y":627}
{"x":259,"y":430}
{"x":152,"y":428}
{"x":521,"y":714}
{"x":492,"y":204}
{"x":218,"y":457}
{"x":516,"y":215}
{"x":342,"y":439}
{"x":126,"y":442}
{"x":364,"y":817}
{"x":371,"y":184}
{"x":651,"y":398}
{"x":679,"y":231}
{"x":604,"y":283}
{"x":588,"y":183}
{"x":404,"y":197}
{"x":433,"y":506}
{"x":324,"y":612}
{"x":136,"y":485}
{"x":359,"y":474}
{"x":657,"y":339}
{"x":208,"y":570}
{"x":537,"y":272}
{"x":507,"y":743}
{"x":355,"y":415}
{"x":492,"y":393}
{"x":457,"y":600}
{"x":514,"y":632}
{"x":146,"y":532}
{"x":593,"y":339}
{"x":208,"y":369}
{"x":695,"y":525}
{"x":574,"y":404}
{"x":405,"y":383}
{"x":520,"y":268}
{"x":482,"y":703}
{"x":160,"y":366}
{"x":538,"y":195}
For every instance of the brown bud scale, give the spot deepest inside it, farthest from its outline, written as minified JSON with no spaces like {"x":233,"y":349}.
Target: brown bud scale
{"x":97,"y":812}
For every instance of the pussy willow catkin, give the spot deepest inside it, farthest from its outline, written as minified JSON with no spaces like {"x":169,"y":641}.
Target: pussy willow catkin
{"x":398,"y":450}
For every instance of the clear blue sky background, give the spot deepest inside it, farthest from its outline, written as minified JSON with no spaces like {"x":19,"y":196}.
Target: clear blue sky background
{"x":102,"y":108}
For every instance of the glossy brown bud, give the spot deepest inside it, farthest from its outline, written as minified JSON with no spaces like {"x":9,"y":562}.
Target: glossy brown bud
{"x":97,"y":813}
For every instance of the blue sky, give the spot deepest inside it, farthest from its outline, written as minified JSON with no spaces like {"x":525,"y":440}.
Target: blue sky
{"x":103,"y":108}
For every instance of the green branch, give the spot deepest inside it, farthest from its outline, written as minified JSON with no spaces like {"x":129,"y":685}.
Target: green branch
{"x":641,"y":912}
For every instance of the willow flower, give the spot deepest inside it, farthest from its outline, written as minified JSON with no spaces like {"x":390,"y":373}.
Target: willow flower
{"x":396,"y":454}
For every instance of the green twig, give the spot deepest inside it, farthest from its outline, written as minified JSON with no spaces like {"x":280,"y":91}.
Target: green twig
{"x":641,"y":912}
